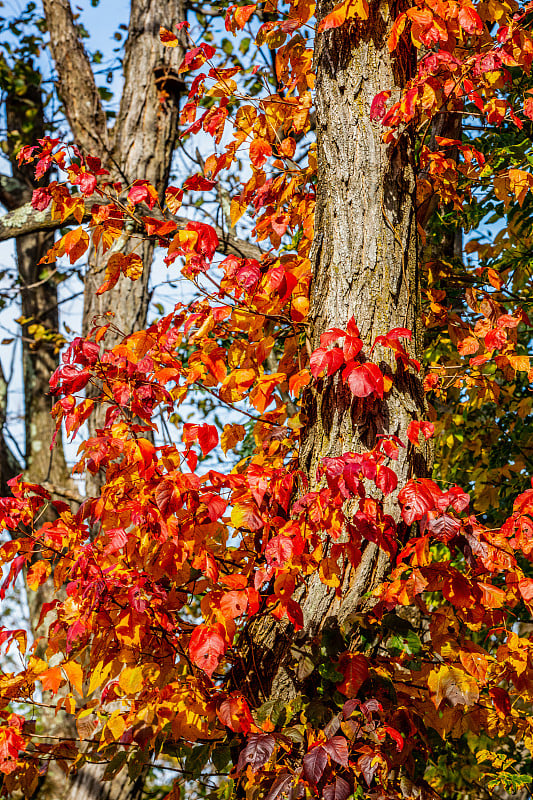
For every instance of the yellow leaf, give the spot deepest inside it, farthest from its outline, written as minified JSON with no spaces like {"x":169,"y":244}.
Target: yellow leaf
{"x":454,"y":685}
{"x":183,"y":240}
{"x":116,"y":726}
{"x":520,"y":183}
{"x":519,"y":363}
{"x":131,"y":680}
{"x":329,"y":572}
{"x":236,"y":211}
{"x":99,"y":675}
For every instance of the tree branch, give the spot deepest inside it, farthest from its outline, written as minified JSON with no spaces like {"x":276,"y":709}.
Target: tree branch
{"x":26,"y":219}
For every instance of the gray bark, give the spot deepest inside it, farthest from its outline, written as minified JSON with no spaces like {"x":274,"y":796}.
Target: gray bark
{"x":364,"y":261}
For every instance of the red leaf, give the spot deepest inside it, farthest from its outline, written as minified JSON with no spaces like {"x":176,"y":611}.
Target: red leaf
{"x":444,"y":527}
{"x":87,"y":183}
{"x":41,"y":199}
{"x":206,"y":435}
{"x":417,"y":427}
{"x":278,"y":551}
{"x":314,"y":764}
{"x":354,"y":667}
{"x":207,"y":242}
{"x":417,"y":498}
{"x":352,"y":347}
{"x":329,"y":360}
{"x":10,"y":744}
{"x":207,"y":438}
{"x":234,"y":604}
{"x":330,"y":336}
{"x":386,"y":479}
{"x":337,"y":750}
{"x":206,"y":648}
{"x":295,"y":614}
{"x":234,"y":713}
{"x":470,"y":20}
{"x":340,"y":790}
{"x":157,"y":227}
{"x":259,"y":747}
{"x":397,"y":736}
{"x":501,"y":700}
{"x":197,"y":183}
{"x":379,"y":106}
{"x":142,"y":191}
{"x":457,"y":498}
{"x":363,"y":379}
{"x":216,"y":505}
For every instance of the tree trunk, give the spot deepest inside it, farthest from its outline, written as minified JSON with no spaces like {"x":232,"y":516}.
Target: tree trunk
{"x":141,"y":143}
{"x":38,"y":297}
{"x":138,"y":147}
{"x":40,"y":356}
{"x":364,"y":262}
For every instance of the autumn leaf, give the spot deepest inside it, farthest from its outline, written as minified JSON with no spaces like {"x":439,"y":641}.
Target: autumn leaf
{"x":337,"y":750}
{"x":363,"y":379}
{"x":51,"y":679}
{"x":454,"y":685}
{"x":206,"y":648}
{"x":349,"y":9}
{"x":131,"y":680}
{"x":417,"y":427}
{"x":354,"y":667}
{"x":234,"y":712}
{"x":168,"y":38}
{"x":231,"y":436}
{"x":257,"y":751}
{"x":242,"y":14}
{"x":74,"y":673}
{"x":314,"y":764}
{"x":470,"y":20}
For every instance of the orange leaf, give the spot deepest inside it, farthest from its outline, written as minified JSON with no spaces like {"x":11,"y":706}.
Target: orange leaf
{"x":168,"y":38}
{"x":75,"y":675}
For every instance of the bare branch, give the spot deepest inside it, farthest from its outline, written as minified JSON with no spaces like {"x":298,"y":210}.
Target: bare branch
{"x":26,"y":219}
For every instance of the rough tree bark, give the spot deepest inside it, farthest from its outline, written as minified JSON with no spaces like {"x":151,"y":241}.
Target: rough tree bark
{"x":141,"y":142}
{"x":364,"y":264}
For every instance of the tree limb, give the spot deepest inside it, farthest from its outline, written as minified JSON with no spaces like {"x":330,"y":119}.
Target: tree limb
{"x":26,"y":220}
